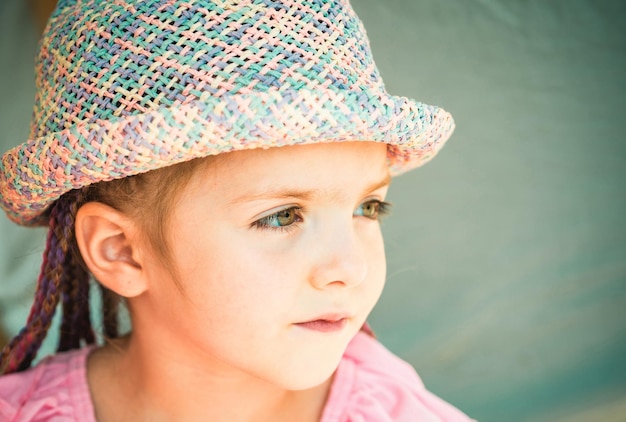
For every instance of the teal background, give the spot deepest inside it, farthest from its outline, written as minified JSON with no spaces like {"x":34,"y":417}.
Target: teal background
{"x":507,"y":254}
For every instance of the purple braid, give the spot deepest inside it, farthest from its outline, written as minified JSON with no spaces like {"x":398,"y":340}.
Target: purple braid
{"x":61,"y":276}
{"x":110,"y":307}
{"x":76,"y":324}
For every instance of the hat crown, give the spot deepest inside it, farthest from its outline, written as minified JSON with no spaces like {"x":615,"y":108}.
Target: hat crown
{"x":108,"y":60}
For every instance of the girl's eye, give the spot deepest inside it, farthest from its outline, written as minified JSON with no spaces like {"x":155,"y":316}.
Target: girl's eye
{"x":282,"y":218}
{"x":373,"y":209}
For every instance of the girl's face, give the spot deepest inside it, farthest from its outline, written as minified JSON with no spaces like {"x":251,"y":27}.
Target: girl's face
{"x":264,"y":241}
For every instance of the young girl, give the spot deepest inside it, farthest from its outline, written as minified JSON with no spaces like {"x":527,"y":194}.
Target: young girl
{"x":220,"y":167}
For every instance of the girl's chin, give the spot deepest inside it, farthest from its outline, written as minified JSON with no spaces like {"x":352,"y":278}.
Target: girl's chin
{"x":308,"y":375}
{"x":308,"y":381}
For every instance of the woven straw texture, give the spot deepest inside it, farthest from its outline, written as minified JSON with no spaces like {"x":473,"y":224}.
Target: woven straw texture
{"x":125,"y":87}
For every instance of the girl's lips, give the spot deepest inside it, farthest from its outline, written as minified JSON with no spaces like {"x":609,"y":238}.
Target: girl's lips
{"x":325,"y":325}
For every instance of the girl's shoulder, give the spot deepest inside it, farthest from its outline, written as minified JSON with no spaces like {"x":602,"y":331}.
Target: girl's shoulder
{"x":374,"y":385}
{"x":55,"y":389}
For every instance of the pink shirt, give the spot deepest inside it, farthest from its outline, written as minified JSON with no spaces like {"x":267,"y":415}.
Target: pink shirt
{"x":371,"y":385}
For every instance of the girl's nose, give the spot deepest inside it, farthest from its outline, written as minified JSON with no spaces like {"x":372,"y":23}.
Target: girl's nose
{"x":339,"y":259}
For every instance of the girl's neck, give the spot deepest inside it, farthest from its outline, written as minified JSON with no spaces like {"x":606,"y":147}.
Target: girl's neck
{"x":130,"y":383}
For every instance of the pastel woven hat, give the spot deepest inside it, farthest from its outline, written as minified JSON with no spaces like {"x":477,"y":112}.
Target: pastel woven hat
{"x":125,"y":87}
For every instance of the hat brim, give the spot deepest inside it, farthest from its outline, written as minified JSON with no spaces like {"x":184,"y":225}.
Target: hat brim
{"x":36,"y":173}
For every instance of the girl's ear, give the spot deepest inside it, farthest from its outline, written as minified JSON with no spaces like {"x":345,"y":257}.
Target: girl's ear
{"x":110,"y":246}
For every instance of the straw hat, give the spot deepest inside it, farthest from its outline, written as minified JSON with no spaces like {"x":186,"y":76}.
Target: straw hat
{"x":125,"y":87}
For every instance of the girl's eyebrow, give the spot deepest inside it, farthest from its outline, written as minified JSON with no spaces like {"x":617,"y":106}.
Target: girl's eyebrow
{"x":304,"y":195}
{"x":386,"y":181}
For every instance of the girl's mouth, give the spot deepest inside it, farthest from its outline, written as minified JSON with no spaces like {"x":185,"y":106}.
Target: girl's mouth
{"x":325,"y":324}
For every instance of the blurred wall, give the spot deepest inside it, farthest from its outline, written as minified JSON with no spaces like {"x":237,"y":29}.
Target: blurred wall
{"x":507,"y":254}
{"x":20,"y":249}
